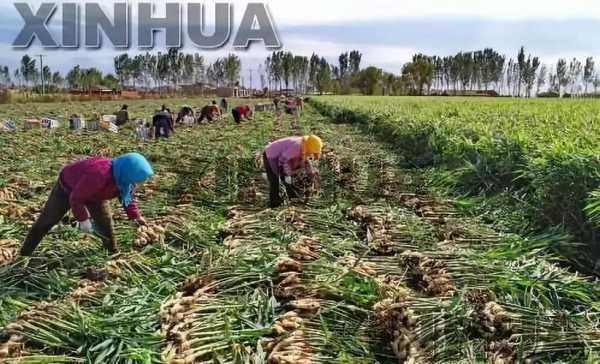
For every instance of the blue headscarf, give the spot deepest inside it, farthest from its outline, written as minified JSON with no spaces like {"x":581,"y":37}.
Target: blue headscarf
{"x":128,"y":170}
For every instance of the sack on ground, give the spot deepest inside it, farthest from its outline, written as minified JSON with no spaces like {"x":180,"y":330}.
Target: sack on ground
{"x":142,"y":132}
{"x":109,"y":123}
{"x":8,"y":125}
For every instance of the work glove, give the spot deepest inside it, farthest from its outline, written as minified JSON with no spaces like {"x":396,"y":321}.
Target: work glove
{"x":288,"y":180}
{"x":86,"y":227}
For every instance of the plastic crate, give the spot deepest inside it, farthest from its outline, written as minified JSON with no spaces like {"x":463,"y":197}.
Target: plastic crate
{"x":92,"y":125}
{"x":48,"y":123}
{"x":76,"y":124}
{"x":109,"y":119}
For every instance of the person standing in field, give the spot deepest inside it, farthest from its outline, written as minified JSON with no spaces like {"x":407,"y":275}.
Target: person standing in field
{"x":122,"y":116}
{"x":162,"y":123}
{"x":285,"y":158}
{"x":217,"y":109}
{"x":85,"y":187}
{"x":242,"y":112}
{"x":300,"y":103}
{"x":224,"y":106}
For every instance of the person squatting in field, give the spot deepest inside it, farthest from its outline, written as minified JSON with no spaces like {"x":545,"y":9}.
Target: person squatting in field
{"x":284,"y":158}
{"x":85,"y":187}
{"x":242,"y":112}
{"x":122,"y":116}
{"x":185,"y":112}
{"x":163,"y":123}
{"x":210,"y":112}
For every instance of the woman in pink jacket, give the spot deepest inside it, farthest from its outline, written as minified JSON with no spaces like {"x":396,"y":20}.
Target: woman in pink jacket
{"x":284,"y":158}
{"x":85,"y":187}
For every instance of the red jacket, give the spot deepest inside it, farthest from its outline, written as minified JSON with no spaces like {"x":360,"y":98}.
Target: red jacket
{"x":91,"y":181}
{"x":243,"y":110}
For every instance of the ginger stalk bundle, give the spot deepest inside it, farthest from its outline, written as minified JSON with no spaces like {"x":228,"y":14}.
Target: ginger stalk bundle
{"x":287,"y":264}
{"x":429,"y":275}
{"x":86,"y":289}
{"x":398,"y":323}
{"x":501,"y":352}
{"x":362,"y":268}
{"x":290,"y":285}
{"x":7,"y":194}
{"x":305,"y":249}
{"x":375,"y":230}
{"x":148,"y":235}
{"x":290,"y":346}
{"x":8,"y":251}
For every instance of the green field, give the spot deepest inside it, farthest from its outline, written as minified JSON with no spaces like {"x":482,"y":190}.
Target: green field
{"x":377,"y":268}
{"x":541,"y":157}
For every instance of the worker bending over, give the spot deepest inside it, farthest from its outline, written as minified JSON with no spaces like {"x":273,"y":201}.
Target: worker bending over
{"x":285,"y":158}
{"x":85,"y":187}
{"x":163,"y":124}
{"x":210,"y":112}
{"x":242,"y":112}
{"x":185,"y":112}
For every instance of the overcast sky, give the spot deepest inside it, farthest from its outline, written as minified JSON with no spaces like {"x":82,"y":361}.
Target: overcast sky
{"x":388,"y":32}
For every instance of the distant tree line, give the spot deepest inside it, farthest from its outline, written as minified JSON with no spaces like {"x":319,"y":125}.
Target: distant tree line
{"x":488,"y":70}
{"x":176,"y":68}
{"x":145,"y":70}
{"x":28,"y":74}
{"x":484,"y":70}
{"x":284,"y":70}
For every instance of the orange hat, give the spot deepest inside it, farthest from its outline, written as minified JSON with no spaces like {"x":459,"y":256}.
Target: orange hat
{"x":312,"y":145}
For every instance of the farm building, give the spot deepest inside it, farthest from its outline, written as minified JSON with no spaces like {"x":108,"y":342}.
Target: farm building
{"x":233,"y":92}
{"x":199,"y":89}
{"x":285,"y":92}
{"x":130,"y":94}
{"x":94,"y":91}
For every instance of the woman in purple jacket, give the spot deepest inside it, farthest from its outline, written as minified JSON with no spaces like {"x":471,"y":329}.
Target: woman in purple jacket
{"x":85,"y":187}
{"x":284,"y":158}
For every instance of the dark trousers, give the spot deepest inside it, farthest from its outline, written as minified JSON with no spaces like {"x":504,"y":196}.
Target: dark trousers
{"x":237,"y":116}
{"x":162,"y":129}
{"x":275,"y":181}
{"x":56,"y":208}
